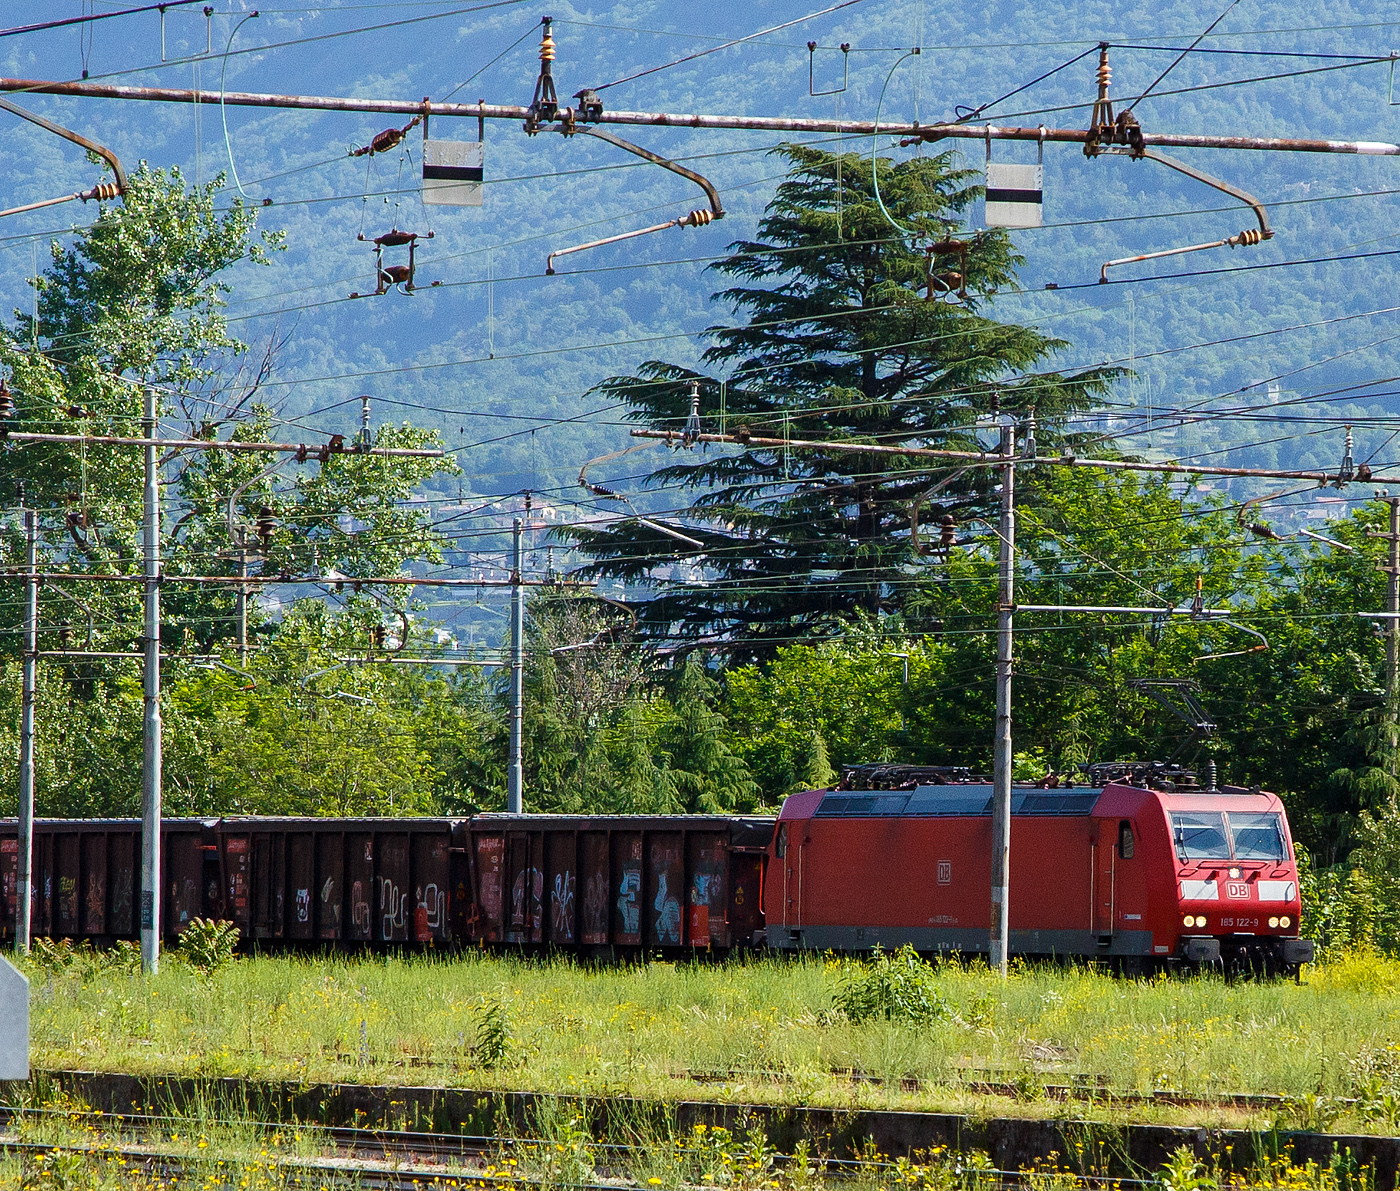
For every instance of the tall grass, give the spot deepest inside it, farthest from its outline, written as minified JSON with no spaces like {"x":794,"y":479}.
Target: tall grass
{"x":761,"y":1030}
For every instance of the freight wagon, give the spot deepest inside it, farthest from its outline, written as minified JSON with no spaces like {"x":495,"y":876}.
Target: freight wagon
{"x":594,"y":884}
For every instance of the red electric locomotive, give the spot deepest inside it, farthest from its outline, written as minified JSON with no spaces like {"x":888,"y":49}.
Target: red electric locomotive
{"x":1142,"y":867}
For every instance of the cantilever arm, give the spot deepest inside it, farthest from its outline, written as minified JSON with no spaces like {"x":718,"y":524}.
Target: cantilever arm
{"x":1247,"y":237}
{"x":1265,"y":232}
{"x":693,"y":219}
{"x":69,"y":135}
{"x":1238,"y":653}
{"x":656,"y":159}
{"x":603,"y":493}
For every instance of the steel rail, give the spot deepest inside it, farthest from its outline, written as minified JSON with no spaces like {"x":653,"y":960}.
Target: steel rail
{"x":359,"y":1173}
{"x":993,"y":459}
{"x":498,"y":111}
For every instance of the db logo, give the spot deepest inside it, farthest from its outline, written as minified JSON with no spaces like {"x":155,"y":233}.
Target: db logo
{"x":945,"y":872}
{"x":1236,"y":889}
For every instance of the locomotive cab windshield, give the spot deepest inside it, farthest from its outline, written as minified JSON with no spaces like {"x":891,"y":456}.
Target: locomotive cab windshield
{"x":1228,"y":835}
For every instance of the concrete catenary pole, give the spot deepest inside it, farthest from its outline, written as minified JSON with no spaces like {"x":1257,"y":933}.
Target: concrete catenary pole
{"x":150,"y":773}
{"x":1001,"y":763}
{"x":515,"y":788}
{"x":23,"y":897}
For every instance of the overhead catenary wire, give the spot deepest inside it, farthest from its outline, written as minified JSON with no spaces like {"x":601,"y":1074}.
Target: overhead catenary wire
{"x":89,"y":18}
{"x":1248,"y":336}
{"x":314,"y":38}
{"x":223,"y":112}
{"x":726,"y":45}
{"x":945,"y":393}
{"x":668,"y":263}
{"x":980,"y":109}
{"x":482,"y":70}
{"x":1152,"y":86}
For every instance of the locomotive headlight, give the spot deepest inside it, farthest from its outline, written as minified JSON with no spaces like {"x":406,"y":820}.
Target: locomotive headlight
{"x":1200,"y":920}
{"x":1273,"y":921}
{"x":1285,"y":922}
{"x":1189,"y":920}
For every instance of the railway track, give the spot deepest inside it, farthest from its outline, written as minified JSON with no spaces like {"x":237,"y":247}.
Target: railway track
{"x":402,"y":1160}
{"x":1080,"y":1089}
{"x":378,"y":1176}
{"x":369,"y":1175}
{"x":370,"y":1158}
{"x":315,"y":1156}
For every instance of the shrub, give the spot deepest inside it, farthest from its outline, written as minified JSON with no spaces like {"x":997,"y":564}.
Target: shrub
{"x":60,"y":957}
{"x":54,"y":956}
{"x":493,"y":1039}
{"x":207,"y":945}
{"x":896,"y":987}
{"x":124,"y":956}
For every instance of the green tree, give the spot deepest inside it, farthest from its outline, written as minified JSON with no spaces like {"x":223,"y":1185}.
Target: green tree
{"x":136,"y":301}
{"x":605,"y":731}
{"x":817,"y":772}
{"x":840,"y":701}
{"x":839,"y":343}
{"x":341,"y":520}
{"x":925,"y":694}
{"x":299,"y":730}
{"x":585,"y":675}
{"x":703,"y":772}
{"x":1307,"y":717}
{"x":641,"y":782}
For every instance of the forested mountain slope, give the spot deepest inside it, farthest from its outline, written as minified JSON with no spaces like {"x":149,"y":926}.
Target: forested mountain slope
{"x":501,"y":357}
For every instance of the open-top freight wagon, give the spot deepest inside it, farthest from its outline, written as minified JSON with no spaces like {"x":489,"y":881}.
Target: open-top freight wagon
{"x":571,"y":882}
{"x":1141,"y":867}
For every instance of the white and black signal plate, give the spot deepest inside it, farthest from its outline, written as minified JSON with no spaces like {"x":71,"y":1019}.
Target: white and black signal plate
{"x":452,"y":173}
{"x":1013,"y":195}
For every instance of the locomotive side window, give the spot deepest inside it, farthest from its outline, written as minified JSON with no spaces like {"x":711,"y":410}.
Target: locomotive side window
{"x":1257,"y":837}
{"x":782,"y":840}
{"x":1125,"y":840}
{"x":1200,"y":835}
